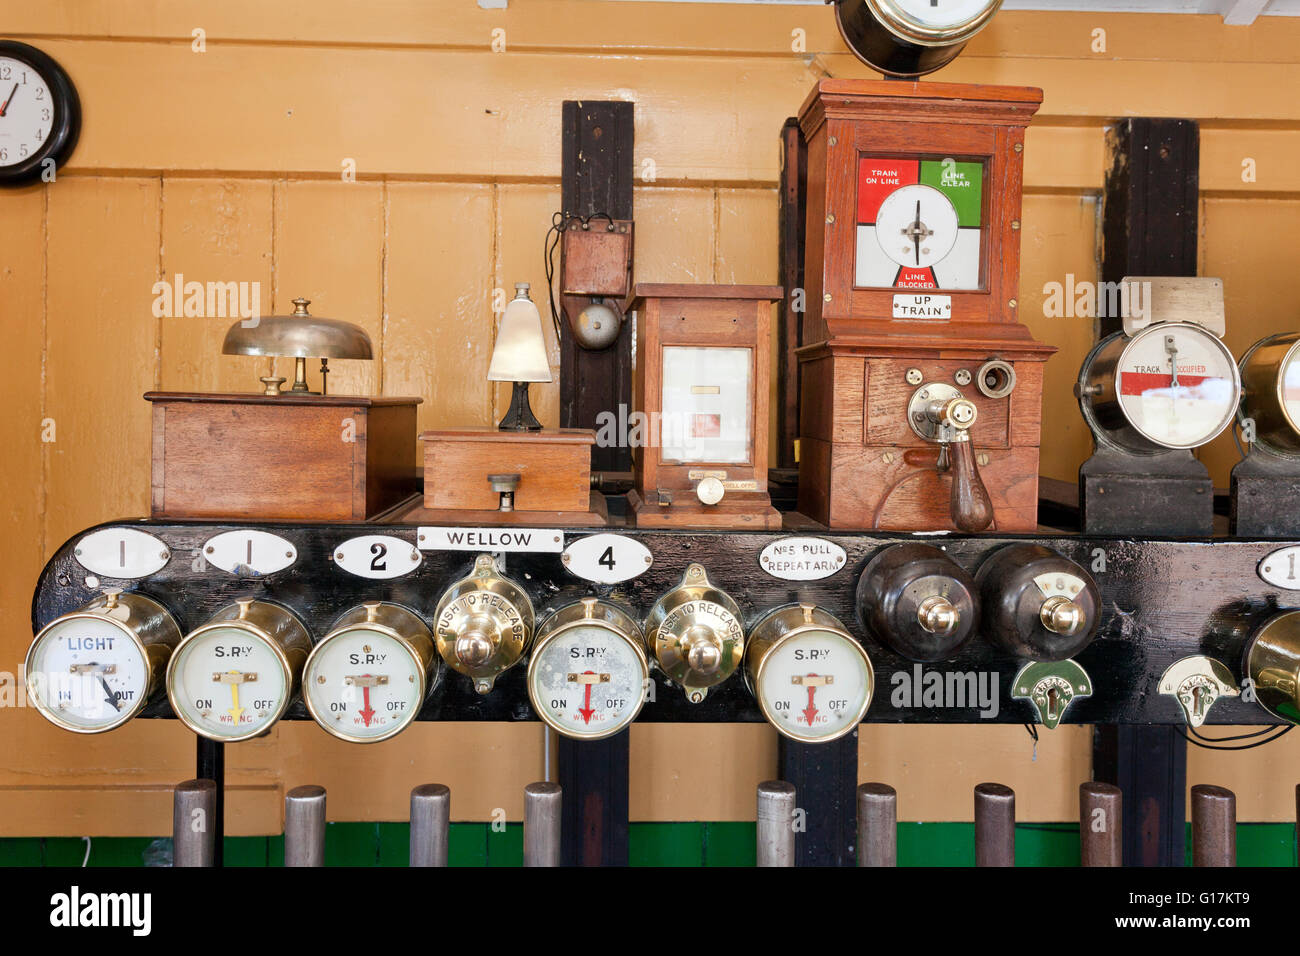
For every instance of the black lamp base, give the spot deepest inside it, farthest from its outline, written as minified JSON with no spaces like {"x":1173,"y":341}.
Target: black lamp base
{"x":520,"y":417}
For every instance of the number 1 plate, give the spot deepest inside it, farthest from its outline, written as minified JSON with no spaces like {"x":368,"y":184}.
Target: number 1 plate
{"x":607,"y":558}
{"x":1281,"y":568}
{"x":377,"y":556}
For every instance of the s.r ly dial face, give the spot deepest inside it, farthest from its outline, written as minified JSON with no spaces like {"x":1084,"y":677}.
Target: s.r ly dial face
{"x":228,"y":683}
{"x":815,"y":685}
{"x":362,"y":684}
{"x":919,"y":223}
{"x":87,"y":674}
{"x":1177,"y":384}
{"x":587,"y":678}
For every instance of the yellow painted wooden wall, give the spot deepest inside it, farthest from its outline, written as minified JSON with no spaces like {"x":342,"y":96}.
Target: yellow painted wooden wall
{"x":226,"y":165}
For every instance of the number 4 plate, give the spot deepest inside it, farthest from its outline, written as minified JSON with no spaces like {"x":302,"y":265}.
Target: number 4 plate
{"x":607,"y":558}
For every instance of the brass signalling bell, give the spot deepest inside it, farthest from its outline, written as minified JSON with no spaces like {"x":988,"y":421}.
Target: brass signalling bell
{"x":301,"y":336}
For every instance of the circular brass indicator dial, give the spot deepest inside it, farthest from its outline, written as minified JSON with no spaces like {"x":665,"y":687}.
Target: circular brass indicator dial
{"x":911,"y":37}
{"x":588,"y":671}
{"x":484,"y":623}
{"x":1172,"y":385}
{"x":367,"y":678}
{"x":233,"y":678}
{"x":1270,"y":381}
{"x":96,"y":668}
{"x":813,"y":681}
{"x":696,"y":634}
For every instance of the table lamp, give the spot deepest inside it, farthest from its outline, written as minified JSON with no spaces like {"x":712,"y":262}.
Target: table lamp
{"x":519,"y":357}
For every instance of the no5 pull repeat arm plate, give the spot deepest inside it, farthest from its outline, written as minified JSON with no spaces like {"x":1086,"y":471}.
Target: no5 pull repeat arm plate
{"x":484,"y":623}
{"x":813,"y":681}
{"x":695,"y":633}
{"x":233,"y":678}
{"x":588,"y":672}
{"x":96,"y":668}
{"x":367,"y":678}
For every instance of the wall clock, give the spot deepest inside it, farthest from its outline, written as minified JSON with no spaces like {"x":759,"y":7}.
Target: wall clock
{"x":911,"y":37}
{"x":40,"y":113}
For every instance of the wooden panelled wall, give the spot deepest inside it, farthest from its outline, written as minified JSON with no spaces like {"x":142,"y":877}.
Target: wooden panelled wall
{"x":226,"y":165}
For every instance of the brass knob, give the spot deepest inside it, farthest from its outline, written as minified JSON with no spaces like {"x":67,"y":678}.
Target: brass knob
{"x":1062,"y":616}
{"x":702,"y":649}
{"x":272,"y":383}
{"x":937,"y":615}
{"x":710,"y":490}
{"x":960,"y":413}
{"x":477,"y":643}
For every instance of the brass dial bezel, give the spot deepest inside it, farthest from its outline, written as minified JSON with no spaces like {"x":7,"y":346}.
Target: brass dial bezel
{"x":281,"y":649}
{"x":154,"y":653}
{"x":784,"y":624}
{"x":582,"y":613}
{"x":910,"y":30}
{"x":424,"y":663}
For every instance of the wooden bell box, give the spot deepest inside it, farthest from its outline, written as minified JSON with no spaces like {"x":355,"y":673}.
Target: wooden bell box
{"x":703,"y":367}
{"x":912,"y":273}
{"x":290,"y":456}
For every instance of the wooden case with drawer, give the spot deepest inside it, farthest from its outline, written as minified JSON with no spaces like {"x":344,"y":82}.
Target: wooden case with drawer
{"x":285,"y":457}
{"x":553,"y":468}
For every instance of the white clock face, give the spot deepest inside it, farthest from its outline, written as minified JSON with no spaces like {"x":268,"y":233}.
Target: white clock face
{"x":363,"y":684}
{"x":815,"y":685}
{"x":26,"y":111}
{"x":1290,"y":385}
{"x":943,"y":14}
{"x":227,"y":683}
{"x":707,"y":405}
{"x":1177,"y":385}
{"x":87,"y":674}
{"x":587,"y":681}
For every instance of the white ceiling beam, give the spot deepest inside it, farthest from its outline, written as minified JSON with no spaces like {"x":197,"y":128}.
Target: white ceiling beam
{"x":1242,"y":13}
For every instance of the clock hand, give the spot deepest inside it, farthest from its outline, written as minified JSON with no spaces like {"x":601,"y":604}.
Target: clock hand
{"x":9,"y":99}
{"x":916,"y":234}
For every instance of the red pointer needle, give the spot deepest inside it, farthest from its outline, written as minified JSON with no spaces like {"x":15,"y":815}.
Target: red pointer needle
{"x":365,"y":711}
{"x":585,"y":710}
{"x":811,"y":710}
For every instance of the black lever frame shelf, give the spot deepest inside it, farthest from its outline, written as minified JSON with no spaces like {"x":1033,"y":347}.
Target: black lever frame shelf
{"x":1162,"y":599}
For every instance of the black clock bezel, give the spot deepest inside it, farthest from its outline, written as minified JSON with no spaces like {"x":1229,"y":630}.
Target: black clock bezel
{"x":66,"y":122}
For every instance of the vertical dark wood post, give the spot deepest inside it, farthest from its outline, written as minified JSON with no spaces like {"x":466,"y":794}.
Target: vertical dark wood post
{"x":1149,"y":227}
{"x":597,"y":177}
{"x":794,"y":194}
{"x":825,"y":778}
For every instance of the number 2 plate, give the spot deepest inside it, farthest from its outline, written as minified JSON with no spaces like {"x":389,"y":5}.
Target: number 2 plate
{"x":1281,"y":568}
{"x":377,"y":556}
{"x":607,"y":558}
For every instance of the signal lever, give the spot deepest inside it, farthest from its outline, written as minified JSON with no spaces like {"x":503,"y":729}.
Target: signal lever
{"x":939,"y":413}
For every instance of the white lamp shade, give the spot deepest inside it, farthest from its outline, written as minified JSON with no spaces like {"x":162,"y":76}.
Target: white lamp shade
{"x":520,"y":351}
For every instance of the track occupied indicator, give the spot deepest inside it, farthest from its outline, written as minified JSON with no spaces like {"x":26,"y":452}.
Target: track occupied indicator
{"x":919,"y":223}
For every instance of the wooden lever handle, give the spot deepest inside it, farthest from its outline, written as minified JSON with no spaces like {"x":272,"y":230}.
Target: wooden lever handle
{"x":970,"y":506}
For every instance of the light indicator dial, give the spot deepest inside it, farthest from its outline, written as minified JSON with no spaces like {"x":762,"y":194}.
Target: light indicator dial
{"x":588,"y":672}
{"x":95,"y":669}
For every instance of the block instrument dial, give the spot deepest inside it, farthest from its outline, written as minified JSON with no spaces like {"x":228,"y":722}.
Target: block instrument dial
{"x":232,"y":678}
{"x":813,"y":681}
{"x":588,"y":672}
{"x":368,"y":677}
